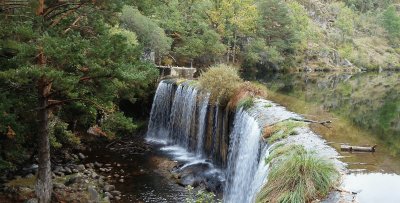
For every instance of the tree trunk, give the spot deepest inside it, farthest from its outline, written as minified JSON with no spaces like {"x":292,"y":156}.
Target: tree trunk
{"x":227,"y":55}
{"x":44,"y":185}
{"x":234,"y":49}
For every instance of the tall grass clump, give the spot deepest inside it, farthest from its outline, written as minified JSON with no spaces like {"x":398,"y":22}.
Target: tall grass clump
{"x":221,"y":81}
{"x":299,"y":175}
{"x":247,"y":92}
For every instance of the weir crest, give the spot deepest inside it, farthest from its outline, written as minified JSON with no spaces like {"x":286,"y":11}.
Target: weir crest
{"x":227,"y":144}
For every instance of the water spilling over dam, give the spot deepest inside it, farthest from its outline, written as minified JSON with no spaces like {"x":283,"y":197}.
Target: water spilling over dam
{"x":226,"y":143}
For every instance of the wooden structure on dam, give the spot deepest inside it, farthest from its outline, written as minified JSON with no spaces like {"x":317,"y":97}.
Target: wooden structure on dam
{"x":176,"y":72}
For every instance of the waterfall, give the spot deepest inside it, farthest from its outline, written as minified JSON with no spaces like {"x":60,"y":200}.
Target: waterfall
{"x":182,"y":115}
{"x":160,"y":113}
{"x":203,"y":107}
{"x":243,"y":158}
{"x":182,"y":119}
{"x":215,"y":132}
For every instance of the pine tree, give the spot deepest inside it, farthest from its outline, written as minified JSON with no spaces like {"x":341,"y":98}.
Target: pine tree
{"x":64,"y":54}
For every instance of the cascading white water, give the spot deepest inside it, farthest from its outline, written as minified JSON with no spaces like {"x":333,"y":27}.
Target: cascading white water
{"x":215,"y":131}
{"x":183,"y":112}
{"x":203,"y":107}
{"x":173,"y":119}
{"x":160,"y":112}
{"x":260,"y":177}
{"x":243,"y":159}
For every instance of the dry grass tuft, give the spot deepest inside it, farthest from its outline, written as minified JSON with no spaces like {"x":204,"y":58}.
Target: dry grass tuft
{"x":268,"y":131}
{"x":246,"y":90}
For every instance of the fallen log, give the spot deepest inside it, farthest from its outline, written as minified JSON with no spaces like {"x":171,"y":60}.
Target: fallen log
{"x":357,"y":148}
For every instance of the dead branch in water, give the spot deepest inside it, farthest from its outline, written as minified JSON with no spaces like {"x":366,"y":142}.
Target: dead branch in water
{"x":324,"y":123}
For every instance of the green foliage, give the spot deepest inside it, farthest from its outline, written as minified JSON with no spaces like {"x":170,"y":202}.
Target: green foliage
{"x":60,"y":135}
{"x":150,"y":35}
{"x":200,"y":197}
{"x":345,"y":20}
{"x":284,"y":129}
{"x":90,"y":61}
{"x":301,"y":26}
{"x":391,"y":22}
{"x":298,"y":175}
{"x":221,"y":81}
{"x":281,"y":150}
{"x":267,"y":105}
{"x":246,"y":103}
{"x":367,"y":5}
{"x":119,"y":125}
{"x":276,"y":23}
{"x":206,"y":43}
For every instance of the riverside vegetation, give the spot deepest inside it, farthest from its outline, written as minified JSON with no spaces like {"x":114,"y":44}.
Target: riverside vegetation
{"x":67,"y":67}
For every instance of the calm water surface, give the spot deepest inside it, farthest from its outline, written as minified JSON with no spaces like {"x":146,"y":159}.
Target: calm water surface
{"x":365,"y":111}
{"x":144,"y":182}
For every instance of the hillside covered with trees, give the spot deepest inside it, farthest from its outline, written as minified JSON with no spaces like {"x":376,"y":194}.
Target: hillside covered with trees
{"x":284,"y":35}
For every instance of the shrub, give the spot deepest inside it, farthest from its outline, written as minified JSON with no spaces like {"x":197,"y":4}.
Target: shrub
{"x":221,"y":81}
{"x":59,"y":134}
{"x":299,"y":175}
{"x":118,"y":124}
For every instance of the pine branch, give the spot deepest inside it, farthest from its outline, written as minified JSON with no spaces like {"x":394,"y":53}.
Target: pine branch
{"x":54,"y":103}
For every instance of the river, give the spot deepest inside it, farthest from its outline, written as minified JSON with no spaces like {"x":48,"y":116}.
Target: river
{"x":364,"y":109}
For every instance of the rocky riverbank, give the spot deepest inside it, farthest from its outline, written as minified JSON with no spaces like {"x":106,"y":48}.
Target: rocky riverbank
{"x":81,"y":176}
{"x":72,"y":182}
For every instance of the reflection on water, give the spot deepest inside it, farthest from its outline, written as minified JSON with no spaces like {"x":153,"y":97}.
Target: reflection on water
{"x":368,"y":100}
{"x":365,"y":110}
{"x":374,"y":187}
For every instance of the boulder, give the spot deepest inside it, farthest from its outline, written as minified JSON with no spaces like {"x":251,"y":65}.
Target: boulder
{"x":115,"y":193}
{"x":97,"y":164}
{"x":68,"y":170}
{"x":108,"y":188}
{"x":58,"y":186}
{"x":202,"y":173}
{"x":80,"y":167}
{"x":109,"y":195}
{"x":59,"y":169}
{"x":81,"y":156}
